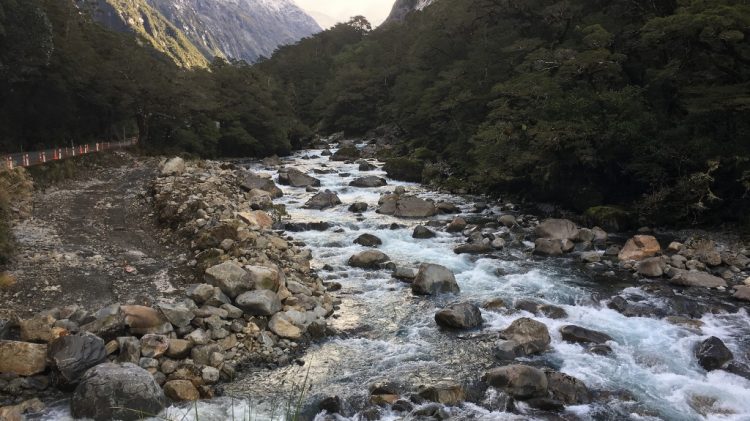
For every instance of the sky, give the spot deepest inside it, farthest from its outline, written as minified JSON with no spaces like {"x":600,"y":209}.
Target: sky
{"x":329,"y":12}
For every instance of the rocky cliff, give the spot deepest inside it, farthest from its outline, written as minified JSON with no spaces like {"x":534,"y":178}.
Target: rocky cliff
{"x":403,"y":7}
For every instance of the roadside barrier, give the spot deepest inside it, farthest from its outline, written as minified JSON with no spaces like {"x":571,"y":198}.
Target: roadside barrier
{"x":30,"y":159}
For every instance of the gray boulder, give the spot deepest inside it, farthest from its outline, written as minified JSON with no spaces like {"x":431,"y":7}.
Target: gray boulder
{"x":179,"y":314}
{"x":71,"y":356}
{"x":572,"y":333}
{"x":230,"y":277}
{"x":473,"y":248}
{"x":548,"y":247}
{"x":368,"y":182}
{"x":252,"y":182}
{"x":529,"y":335}
{"x":434,"y":279}
{"x":567,"y":389}
{"x":323,"y":200}
{"x":459,"y":316}
{"x":117,"y":391}
{"x":696,"y":279}
{"x":370,"y":259}
{"x":368,"y":240}
{"x":559,"y":229}
{"x":519,"y":381}
{"x":713,"y":354}
{"x":296,"y":178}
{"x":422,"y":232}
{"x":259,"y":303}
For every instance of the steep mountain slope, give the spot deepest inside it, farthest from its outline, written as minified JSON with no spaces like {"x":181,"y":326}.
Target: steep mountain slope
{"x":239,"y":29}
{"x":403,"y":7}
{"x":138,"y":16}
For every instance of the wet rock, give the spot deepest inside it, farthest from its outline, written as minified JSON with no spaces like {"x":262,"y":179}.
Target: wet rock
{"x":459,"y":316}
{"x":71,"y":356}
{"x":179,"y":348}
{"x":591,"y":257}
{"x":258,"y":219}
{"x":330,"y":404}
{"x":114,"y":391}
{"x":296,"y":178}
{"x":599,"y":349}
{"x":154,"y":346}
{"x":173,"y":166}
{"x":366,"y":166}
{"x":252,"y":182}
{"x":230,"y":277}
{"x":181,"y":391}
{"x":22,"y":358}
{"x":282,"y":326}
{"x":259,"y":303}
{"x":422,"y":232}
{"x":652,"y":267}
{"x":447,"y":208}
{"x":369,"y":259}
{"x":404,"y":273}
{"x":572,"y":333}
{"x":473,"y":248}
{"x":323,"y":200}
{"x":444,"y":392}
{"x":458,"y":224}
{"x":519,"y":381}
{"x":548,"y":247}
{"x":434,"y":279}
{"x":368,"y":182}
{"x":696,"y":279}
{"x":368,"y":240}
{"x":558,"y":229}
{"x":346,"y":153}
{"x":210,"y":375}
{"x":547,"y":310}
{"x":713,"y":354}
{"x":532,"y":336}
{"x":406,"y":206}
{"x":639,"y":247}
{"x":18,"y":412}
{"x":358,"y":207}
{"x":742,"y":292}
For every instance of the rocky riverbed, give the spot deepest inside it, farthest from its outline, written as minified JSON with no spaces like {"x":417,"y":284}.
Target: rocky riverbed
{"x":324,"y":284}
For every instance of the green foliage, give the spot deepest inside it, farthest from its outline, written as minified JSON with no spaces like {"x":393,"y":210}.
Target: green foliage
{"x":404,"y":169}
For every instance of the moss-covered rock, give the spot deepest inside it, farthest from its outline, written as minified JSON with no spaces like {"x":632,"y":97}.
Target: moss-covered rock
{"x":404,"y":169}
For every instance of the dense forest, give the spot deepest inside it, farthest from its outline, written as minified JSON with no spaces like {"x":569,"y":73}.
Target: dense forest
{"x":640,"y":105}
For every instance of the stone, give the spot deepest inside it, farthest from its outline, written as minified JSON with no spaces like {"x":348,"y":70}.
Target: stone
{"x":200,"y":293}
{"x":181,"y":391}
{"x":154,"y":346}
{"x":173,"y":166}
{"x":177,"y":314}
{"x":742,"y":292}
{"x":346,"y":153}
{"x":473,"y":248}
{"x":230,"y":277}
{"x":218,"y":298}
{"x":18,"y":412}
{"x":422,"y":232}
{"x":414,"y":207}
{"x":252,"y":182}
{"x":263,"y":277}
{"x":142,"y":317}
{"x":323,"y":200}
{"x":201,"y":354}
{"x":368,"y":240}
{"x":459,"y":316}
{"x":519,"y":381}
{"x":296,"y":178}
{"x":567,"y":389}
{"x":591,"y":257}
{"x":368,"y":182}
{"x":458,"y":224}
{"x":198,"y":337}
{"x":281,"y":325}
{"x":652,"y":267}
{"x":532,"y":336}
{"x":40,"y":328}
{"x":639,"y":247}
{"x":22,"y":358}
{"x":366,"y":166}
{"x":507,"y":220}
{"x":572,"y":333}
{"x":71,"y":356}
{"x":210,"y":375}
{"x":369,"y":259}
{"x":548,"y":247}
{"x":232,"y":311}
{"x":358,"y":207}
{"x":130,"y":349}
{"x":117,"y":391}
{"x":444,"y":392}
{"x":558,"y":229}
{"x":259,"y":302}
{"x":713,"y":354}
{"x":434,"y":279}
{"x":404,"y":273}
{"x":257,"y":219}
{"x":498,"y":243}
{"x":696,"y":279}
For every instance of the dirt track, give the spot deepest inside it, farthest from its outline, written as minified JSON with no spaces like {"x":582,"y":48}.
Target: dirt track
{"x":92,"y":241}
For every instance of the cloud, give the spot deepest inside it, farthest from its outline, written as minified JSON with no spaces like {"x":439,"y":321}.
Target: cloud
{"x":341,"y":10}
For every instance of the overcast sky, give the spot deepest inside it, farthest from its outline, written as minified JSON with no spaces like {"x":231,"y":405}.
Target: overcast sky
{"x":341,"y":10}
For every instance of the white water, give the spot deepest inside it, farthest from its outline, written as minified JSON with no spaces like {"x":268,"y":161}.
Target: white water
{"x":389,"y":334}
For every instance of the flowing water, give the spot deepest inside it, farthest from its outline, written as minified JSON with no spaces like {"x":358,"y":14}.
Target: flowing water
{"x":389,"y":334}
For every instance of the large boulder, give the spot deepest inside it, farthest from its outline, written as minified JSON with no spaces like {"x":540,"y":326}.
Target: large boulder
{"x":458,"y":224}
{"x":519,"y":381}
{"x":527,"y":335}
{"x":572,"y":333}
{"x":346,"y":153}
{"x":559,"y":229}
{"x":252,"y":182}
{"x":459,"y":316}
{"x":264,"y":277}
{"x":282,"y":325}
{"x":179,"y":314}
{"x":258,"y":219}
{"x":259,"y":303}
{"x":368,"y":182}
{"x":296,"y":178}
{"x":71,"y":356}
{"x":370,"y":259}
{"x":567,"y":389}
{"x":445,"y":392}
{"x":117,"y":391}
{"x":696,"y":279}
{"x":652,"y":267}
{"x":181,"y":390}
{"x":22,"y":358}
{"x":368,"y":240}
{"x":548,"y":247}
{"x":422,"y":232}
{"x":174,"y":166}
{"x":713,"y":354}
{"x":230,"y":277}
{"x":434,"y":279}
{"x":323,"y":200}
{"x":414,"y":207}
{"x":639,"y":247}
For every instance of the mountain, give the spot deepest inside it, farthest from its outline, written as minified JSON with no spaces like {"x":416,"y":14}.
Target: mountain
{"x":149,"y":25}
{"x":236,"y":29}
{"x":403,"y":7}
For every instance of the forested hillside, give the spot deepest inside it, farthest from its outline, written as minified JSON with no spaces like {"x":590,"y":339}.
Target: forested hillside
{"x":643,"y":104}
{"x":64,"y":78}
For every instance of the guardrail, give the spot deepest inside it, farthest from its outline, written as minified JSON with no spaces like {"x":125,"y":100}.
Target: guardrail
{"x":29,"y":159}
